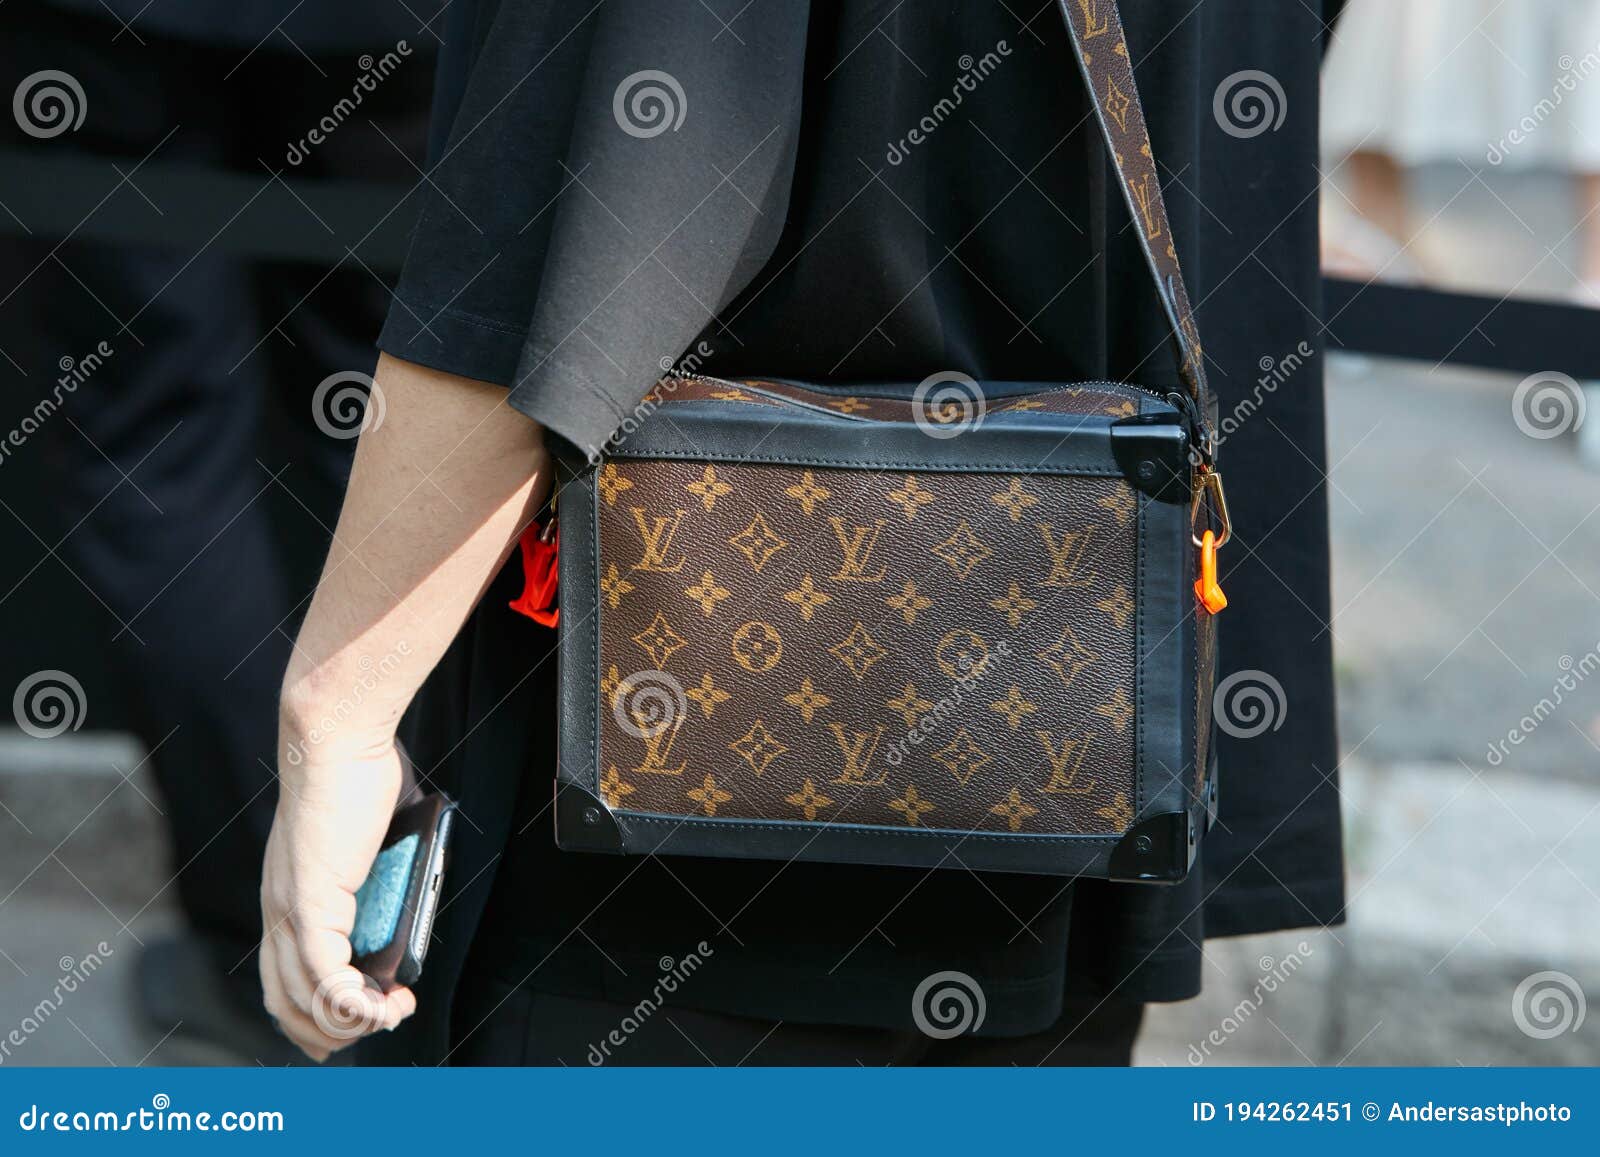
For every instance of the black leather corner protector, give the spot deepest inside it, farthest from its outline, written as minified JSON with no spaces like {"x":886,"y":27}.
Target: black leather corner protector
{"x":1161,"y":850}
{"x":584,"y":823}
{"x":1153,"y":452}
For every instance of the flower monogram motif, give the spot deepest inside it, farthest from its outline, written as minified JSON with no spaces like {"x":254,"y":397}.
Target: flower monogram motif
{"x":708,"y":593}
{"x":807,"y":493}
{"x":806,"y":597}
{"x":1014,"y":499}
{"x":709,"y":796}
{"x":612,"y":483}
{"x":909,"y":602}
{"x":808,"y":700}
{"x":1014,"y":707}
{"x":614,"y":586}
{"x":808,"y":799}
{"x":911,"y":497}
{"x":1013,"y":810}
{"x":707,"y":694}
{"x":911,"y":806}
{"x":708,"y":488}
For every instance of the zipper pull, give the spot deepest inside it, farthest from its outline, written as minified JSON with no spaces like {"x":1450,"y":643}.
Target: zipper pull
{"x":541,"y":553}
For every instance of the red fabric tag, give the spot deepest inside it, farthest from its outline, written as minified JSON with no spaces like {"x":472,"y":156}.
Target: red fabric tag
{"x":541,"y":550}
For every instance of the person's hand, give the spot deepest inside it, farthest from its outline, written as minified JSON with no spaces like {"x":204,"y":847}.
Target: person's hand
{"x":333,"y":810}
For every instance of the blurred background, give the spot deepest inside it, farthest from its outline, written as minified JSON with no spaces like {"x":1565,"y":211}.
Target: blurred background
{"x":1462,"y":231}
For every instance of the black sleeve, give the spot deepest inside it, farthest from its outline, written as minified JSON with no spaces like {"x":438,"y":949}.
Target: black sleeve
{"x":607,"y":182}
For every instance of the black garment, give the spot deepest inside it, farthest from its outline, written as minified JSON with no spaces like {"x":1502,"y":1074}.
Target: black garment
{"x":790,"y":226}
{"x":274,"y":26}
{"x":195,"y":491}
{"x":508,"y":1024}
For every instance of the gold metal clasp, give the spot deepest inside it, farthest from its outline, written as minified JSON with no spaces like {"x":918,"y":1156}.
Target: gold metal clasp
{"x":1211,"y":485}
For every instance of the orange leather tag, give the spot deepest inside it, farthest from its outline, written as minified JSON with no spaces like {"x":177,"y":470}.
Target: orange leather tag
{"x":1205,"y":587}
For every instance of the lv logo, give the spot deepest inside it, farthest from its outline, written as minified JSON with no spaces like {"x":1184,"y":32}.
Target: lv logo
{"x":857,"y":544}
{"x":1065,"y":763}
{"x":658,"y":752}
{"x":1066,"y":557}
{"x":1143,"y":194}
{"x":657,"y":533}
{"x":858,"y":748}
{"x":1094,"y":22}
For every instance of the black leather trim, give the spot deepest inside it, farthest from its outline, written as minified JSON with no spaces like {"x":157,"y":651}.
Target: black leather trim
{"x":860,"y":844}
{"x":1019,"y":442}
{"x":1165,"y":638}
{"x":578,"y":754}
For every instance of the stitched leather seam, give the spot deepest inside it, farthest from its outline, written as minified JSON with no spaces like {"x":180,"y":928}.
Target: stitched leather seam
{"x":1195,"y":778}
{"x":593,"y":629}
{"x":1140,"y":664}
{"x":865,"y":463}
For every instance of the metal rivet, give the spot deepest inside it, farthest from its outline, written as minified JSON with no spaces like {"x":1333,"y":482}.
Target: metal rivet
{"x":591,"y":816}
{"x":1147,"y":470}
{"x":1141,"y":844}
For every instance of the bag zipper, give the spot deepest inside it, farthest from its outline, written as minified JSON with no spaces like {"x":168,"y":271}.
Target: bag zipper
{"x":1123,"y":389}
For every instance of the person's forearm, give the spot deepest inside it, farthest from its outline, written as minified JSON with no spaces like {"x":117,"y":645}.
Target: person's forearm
{"x":439,"y":491}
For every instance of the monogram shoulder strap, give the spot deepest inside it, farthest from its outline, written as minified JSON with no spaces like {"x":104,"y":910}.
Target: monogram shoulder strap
{"x":1101,"y":49}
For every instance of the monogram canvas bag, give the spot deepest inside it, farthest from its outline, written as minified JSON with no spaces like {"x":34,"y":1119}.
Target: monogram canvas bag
{"x":799,"y":622}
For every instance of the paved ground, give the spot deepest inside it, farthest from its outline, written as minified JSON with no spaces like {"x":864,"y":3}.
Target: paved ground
{"x":1467,"y":561}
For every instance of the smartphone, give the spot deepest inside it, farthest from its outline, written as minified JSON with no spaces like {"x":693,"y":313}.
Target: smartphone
{"x":395,"y":906}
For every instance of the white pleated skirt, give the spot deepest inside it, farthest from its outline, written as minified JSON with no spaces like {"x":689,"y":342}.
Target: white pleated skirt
{"x":1485,"y":82}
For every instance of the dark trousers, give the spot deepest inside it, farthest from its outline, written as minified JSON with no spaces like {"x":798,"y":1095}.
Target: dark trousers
{"x":193,"y":490}
{"x":507,"y":1025}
